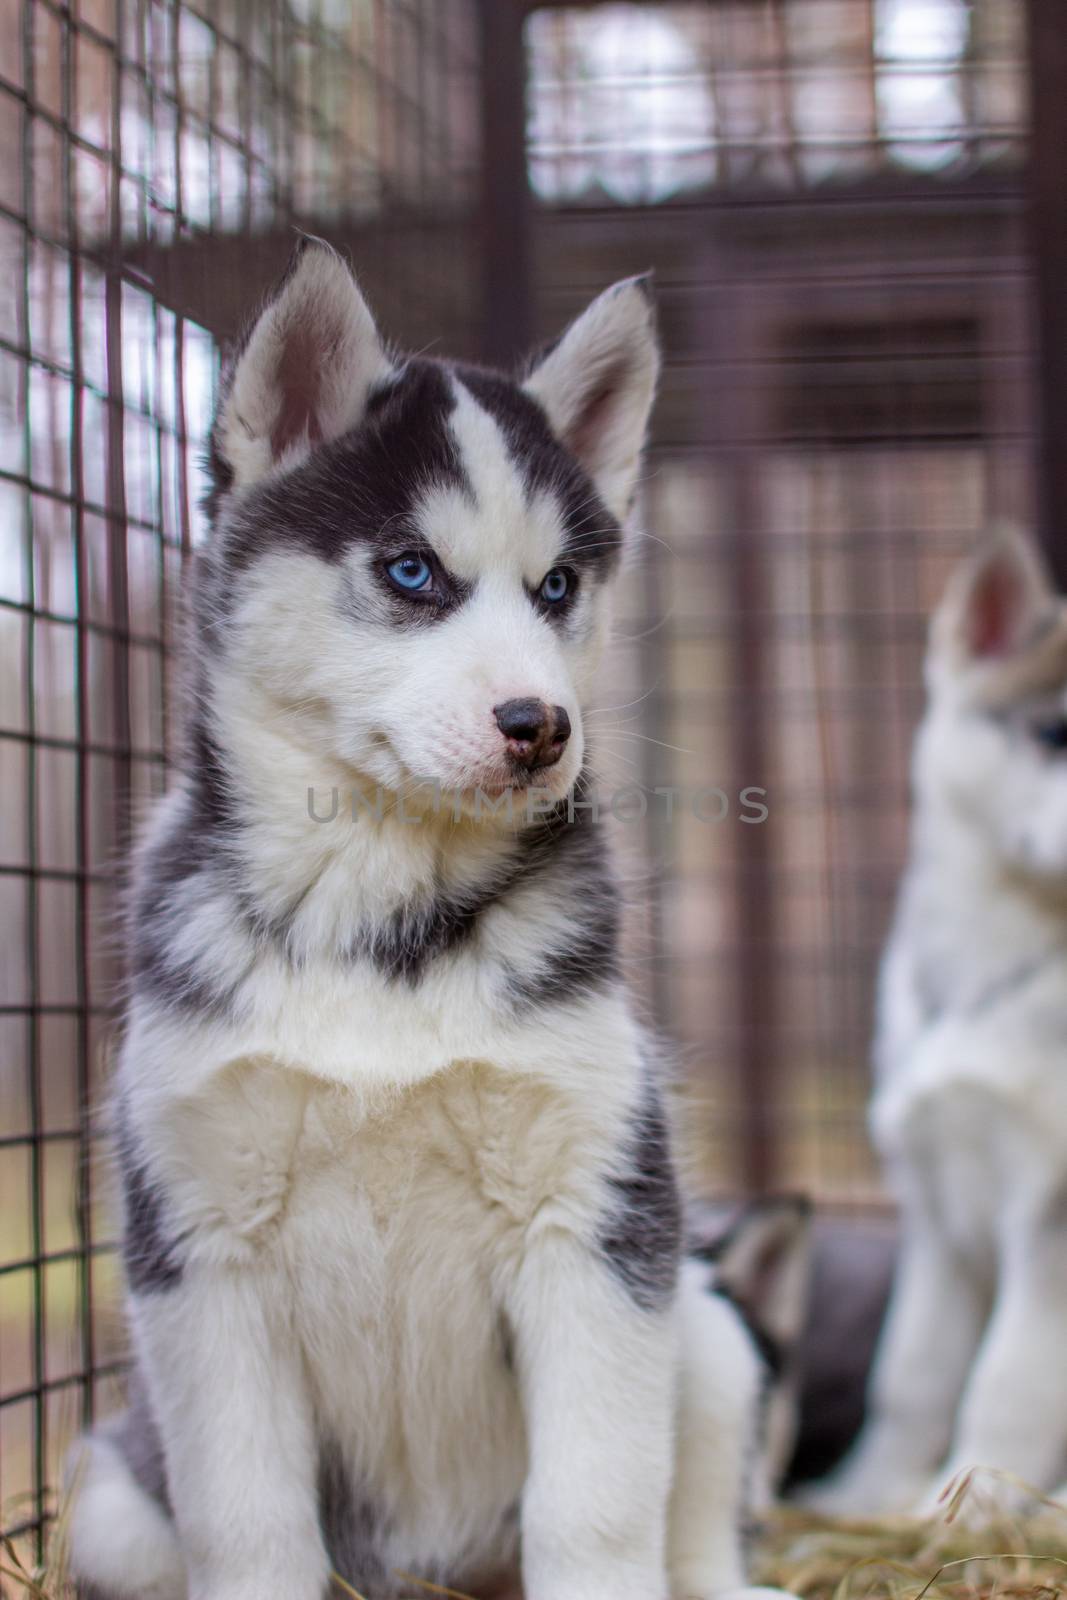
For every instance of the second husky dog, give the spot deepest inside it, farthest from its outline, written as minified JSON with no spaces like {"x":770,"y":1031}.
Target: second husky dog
{"x":970,"y":1108}
{"x":402,"y":1232}
{"x":758,"y":1265}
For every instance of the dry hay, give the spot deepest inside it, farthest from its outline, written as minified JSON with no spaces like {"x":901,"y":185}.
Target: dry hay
{"x":970,"y":1552}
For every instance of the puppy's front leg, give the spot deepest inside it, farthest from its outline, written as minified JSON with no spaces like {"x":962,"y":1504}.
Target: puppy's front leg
{"x":597,"y":1372}
{"x":1013,"y":1417}
{"x":926,"y":1346}
{"x":718,"y":1397}
{"x":224,"y":1377}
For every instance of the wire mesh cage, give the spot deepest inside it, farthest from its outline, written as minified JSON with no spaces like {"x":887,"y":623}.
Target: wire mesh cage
{"x":832,"y":198}
{"x":140,"y":139}
{"x":637,"y":104}
{"x":831,"y":193}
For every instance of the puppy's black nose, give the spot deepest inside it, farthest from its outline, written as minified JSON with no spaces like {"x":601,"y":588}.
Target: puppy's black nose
{"x":536,"y":734}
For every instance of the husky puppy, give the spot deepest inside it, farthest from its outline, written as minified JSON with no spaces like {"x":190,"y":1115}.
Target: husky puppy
{"x":402,"y":1232}
{"x":970,"y":1104}
{"x":757,"y":1265}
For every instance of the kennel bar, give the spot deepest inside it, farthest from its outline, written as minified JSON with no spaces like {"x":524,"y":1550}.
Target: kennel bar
{"x":1048,"y":232}
{"x":504,"y":218}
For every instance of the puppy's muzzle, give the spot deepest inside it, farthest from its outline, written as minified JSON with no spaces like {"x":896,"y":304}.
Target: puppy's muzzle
{"x":536,"y":734}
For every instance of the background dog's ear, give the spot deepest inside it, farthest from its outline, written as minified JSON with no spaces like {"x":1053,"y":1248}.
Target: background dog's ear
{"x":303,"y":374}
{"x":764,"y":1263}
{"x":597,"y":386}
{"x":995,"y":602}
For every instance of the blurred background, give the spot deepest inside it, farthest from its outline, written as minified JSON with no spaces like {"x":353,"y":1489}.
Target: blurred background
{"x":855,"y":213}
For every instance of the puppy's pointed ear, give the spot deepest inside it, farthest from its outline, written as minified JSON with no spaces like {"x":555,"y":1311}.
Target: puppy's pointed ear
{"x":994,"y":604}
{"x":597,"y":386}
{"x":303,"y":374}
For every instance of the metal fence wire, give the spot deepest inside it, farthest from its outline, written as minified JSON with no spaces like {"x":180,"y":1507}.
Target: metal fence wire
{"x":831,"y":192}
{"x":145,"y":146}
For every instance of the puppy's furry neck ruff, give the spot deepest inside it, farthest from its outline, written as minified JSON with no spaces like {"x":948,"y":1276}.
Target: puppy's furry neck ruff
{"x":320,"y":873}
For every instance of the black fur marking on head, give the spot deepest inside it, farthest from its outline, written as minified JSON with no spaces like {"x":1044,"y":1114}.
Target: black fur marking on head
{"x":149,"y":1252}
{"x":219,"y":474}
{"x":592,"y":537}
{"x":362,"y":488}
{"x":352,"y":1530}
{"x":444,"y":594}
{"x":642,"y":1237}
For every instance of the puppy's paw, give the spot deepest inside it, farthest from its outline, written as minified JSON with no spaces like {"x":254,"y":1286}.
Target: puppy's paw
{"x":975,"y":1496}
{"x":860,"y":1496}
{"x":698,"y":1582}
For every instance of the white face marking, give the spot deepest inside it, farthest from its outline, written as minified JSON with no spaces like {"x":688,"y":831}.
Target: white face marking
{"x":500,"y":527}
{"x":405,"y":702}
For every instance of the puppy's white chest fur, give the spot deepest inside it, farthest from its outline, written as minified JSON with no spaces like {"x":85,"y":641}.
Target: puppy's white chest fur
{"x":287,"y":1170}
{"x":466,"y":1151}
{"x":403,"y":1223}
{"x":388,"y":1229}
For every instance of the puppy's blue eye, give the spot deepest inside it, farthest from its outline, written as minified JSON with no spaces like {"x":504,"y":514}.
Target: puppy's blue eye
{"x":410,"y":572}
{"x":555,"y":587}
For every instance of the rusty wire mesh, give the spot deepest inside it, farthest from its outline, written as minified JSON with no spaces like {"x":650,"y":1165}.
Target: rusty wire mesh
{"x":135,"y":135}
{"x":830,"y":192}
{"x":833,"y":210}
{"x":640,"y":103}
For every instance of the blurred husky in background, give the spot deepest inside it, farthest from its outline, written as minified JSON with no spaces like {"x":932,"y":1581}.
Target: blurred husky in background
{"x":970,"y":1104}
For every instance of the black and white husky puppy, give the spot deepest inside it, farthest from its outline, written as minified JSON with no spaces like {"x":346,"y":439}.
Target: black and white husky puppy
{"x":401,"y":1225}
{"x":758,"y":1268}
